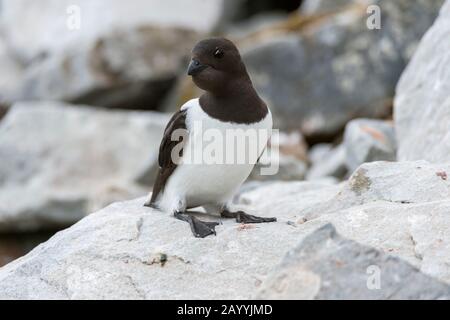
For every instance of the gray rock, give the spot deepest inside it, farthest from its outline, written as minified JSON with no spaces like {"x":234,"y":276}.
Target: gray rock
{"x":338,"y":68}
{"x":129,"y":60}
{"x":319,"y":152}
{"x":327,"y":162}
{"x":399,"y":208}
{"x":393,"y":182}
{"x":288,"y":154}
{"x":367,"y":140}
{"x":402,"y":182}
{"x":416,"y":232}
{"x":325,"y":265}
{"x":36,"y":36}
{"x":129,"y":251}
{"x":290,"y":199}
{"x":120,"y":70}
{"x":289,"y":168}
{"x":422,"y":102}
{"x":64,"y":161}
{"x":249,"y":186}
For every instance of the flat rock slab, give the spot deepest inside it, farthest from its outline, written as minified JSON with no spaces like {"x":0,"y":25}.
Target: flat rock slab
{"x":127,"y":251}
{"x":127,"y":58}
{"x":60,"y":162}
{"x":327,"y":266}
{"x":338,"y":68}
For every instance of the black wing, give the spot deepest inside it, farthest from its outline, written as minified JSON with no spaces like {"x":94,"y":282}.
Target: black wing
{"x":166,"y":163}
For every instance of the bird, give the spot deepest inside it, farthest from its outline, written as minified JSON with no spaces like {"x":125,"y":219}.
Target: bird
{"x":229,"y":103}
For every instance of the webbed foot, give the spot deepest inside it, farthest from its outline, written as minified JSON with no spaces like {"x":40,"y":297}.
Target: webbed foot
{"x":242,"y":217}
{"x":200,"y":229}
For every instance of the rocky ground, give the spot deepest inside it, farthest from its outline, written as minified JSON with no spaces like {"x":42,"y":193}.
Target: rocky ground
{"x":398,"y":212}
{"x":362,"y":196}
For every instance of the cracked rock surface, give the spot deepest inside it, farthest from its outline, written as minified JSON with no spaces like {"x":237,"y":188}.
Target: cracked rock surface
{"x":327,"y":266}
{"x":72,"y":160}
{"x":127,"y":251}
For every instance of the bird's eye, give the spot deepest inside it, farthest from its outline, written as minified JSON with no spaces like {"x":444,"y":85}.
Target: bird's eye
{"x":218,"y":53}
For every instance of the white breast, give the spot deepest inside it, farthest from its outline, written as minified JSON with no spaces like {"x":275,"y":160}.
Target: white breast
{"x":206,"y":176}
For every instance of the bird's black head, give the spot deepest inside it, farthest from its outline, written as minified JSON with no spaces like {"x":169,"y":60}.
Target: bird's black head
{"x":215,"y":63}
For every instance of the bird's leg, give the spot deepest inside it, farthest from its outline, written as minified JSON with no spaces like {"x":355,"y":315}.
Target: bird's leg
{"x":200,"y":229}
{"x":149,"y":204}
{"x":243,"y":217}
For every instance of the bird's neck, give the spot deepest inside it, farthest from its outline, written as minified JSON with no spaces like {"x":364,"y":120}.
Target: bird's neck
{"x":239,"y":103}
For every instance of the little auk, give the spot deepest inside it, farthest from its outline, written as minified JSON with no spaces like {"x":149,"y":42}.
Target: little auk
{"x":229,"y":102}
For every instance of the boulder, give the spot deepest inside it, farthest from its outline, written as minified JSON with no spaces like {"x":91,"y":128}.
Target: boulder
{"x":11,"y":72}
{"x":415,"y":232}
{"x":422,"y":102}
{"x":400,"y":182}
{"x":338,"y":68}
{"x":289,"y":168}
{"x":327,"y":266}
{"x":368,"y":140}
{"x":319,"y":152}
{"x":125,"y":69}
{"x":287,"y":153}
{"x":399,"y":208}
{"x":292,"y":200}
{"x":107,"y":53}
{"x":390,"y":182}
{"x":64,"y":161}
{"x":127,"y":251}
{"x":327,"y":161}
{"x":59,"y":21}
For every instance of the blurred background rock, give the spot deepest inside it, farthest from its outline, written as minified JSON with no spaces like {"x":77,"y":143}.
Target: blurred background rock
{"x":83,"y":107}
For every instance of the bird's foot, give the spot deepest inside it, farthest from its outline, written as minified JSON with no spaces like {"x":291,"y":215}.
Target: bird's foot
{"x":242,"y":217}
{"x":200,"y":229}
{"x":149,"y":204}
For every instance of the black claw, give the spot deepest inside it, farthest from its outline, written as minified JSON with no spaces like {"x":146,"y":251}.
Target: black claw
{"x":200,"y":229}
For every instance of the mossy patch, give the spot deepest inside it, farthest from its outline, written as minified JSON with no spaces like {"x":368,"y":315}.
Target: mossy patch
{"x":360,"y":182}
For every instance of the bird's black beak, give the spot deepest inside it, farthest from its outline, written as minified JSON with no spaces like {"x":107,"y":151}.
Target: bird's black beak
{"x":195,"y":67}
